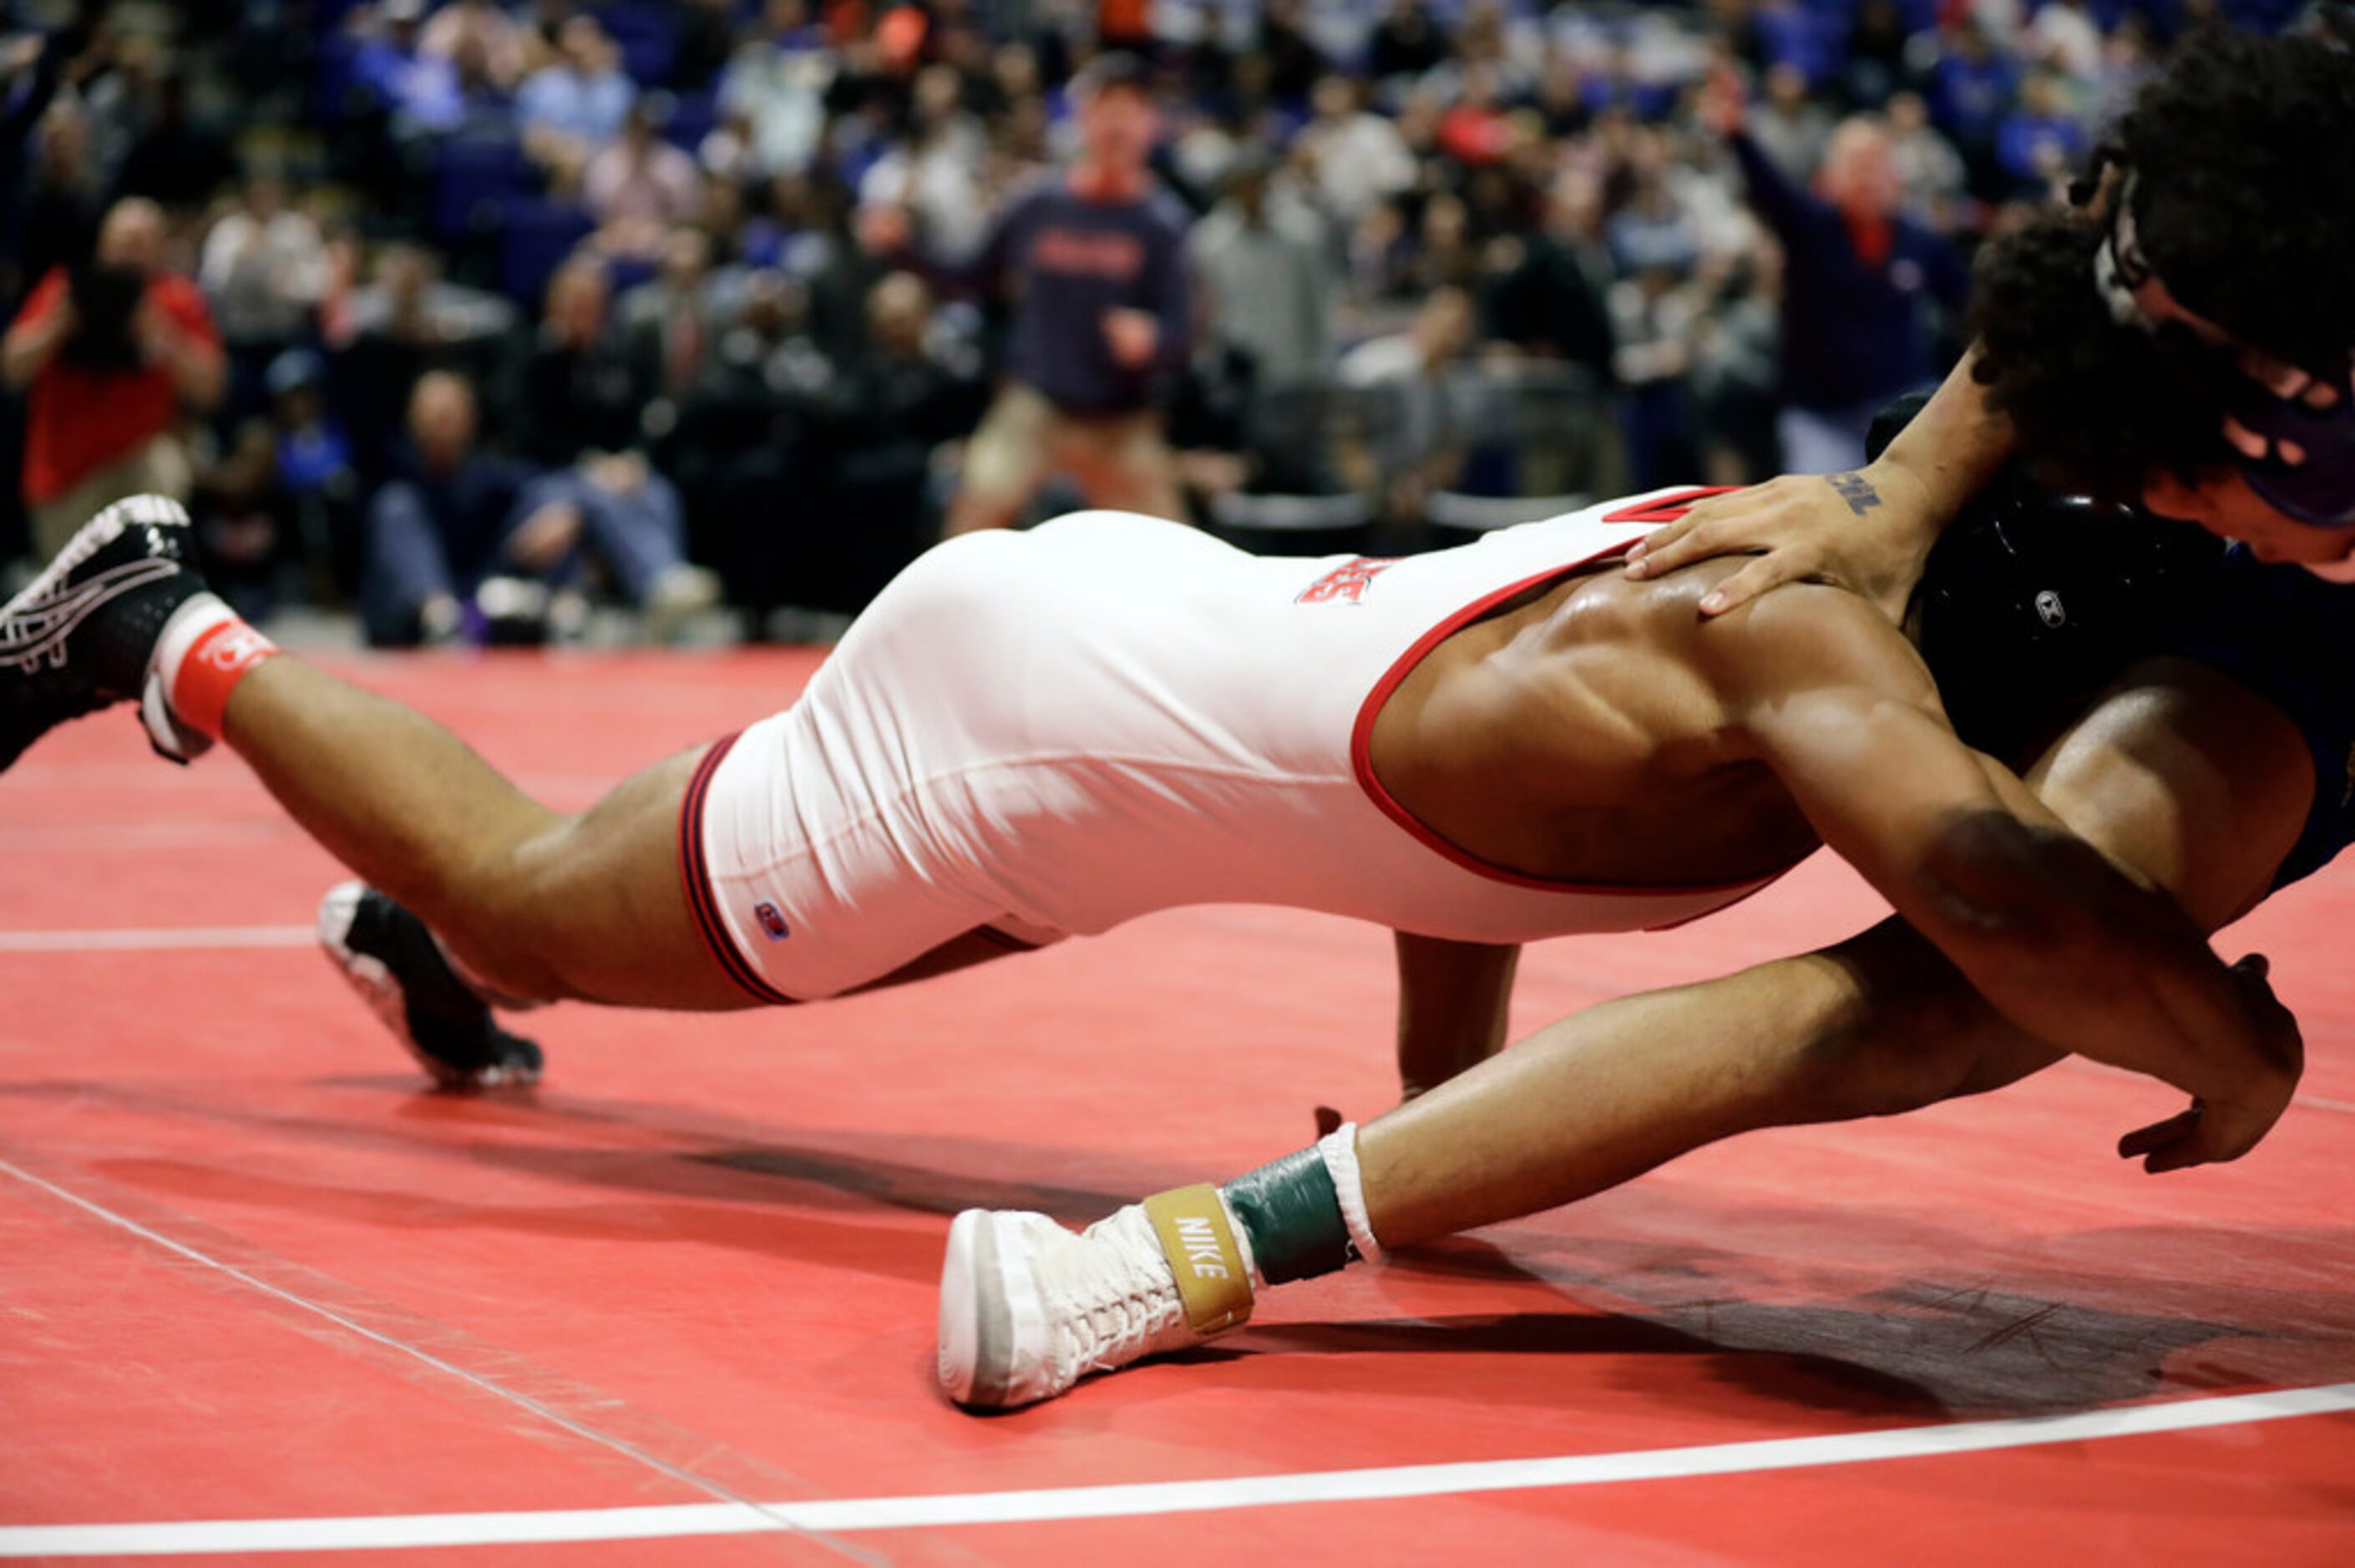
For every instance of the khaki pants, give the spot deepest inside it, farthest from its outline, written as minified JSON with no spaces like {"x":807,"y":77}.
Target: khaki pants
{"x":1118,"y":460}
{"x":159,"y":468}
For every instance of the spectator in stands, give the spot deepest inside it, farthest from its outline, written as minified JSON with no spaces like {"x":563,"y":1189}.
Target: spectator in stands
{"x":1425,"y":450}
{"x":898,"y":409}
{"x":639,"y":187}
{"x":1266,"y":264}
{"x":1971,"y":89}
{"x":935,"y":176}
{"x":481,"y":28}
{"x":1929,"y":170}
{"x":262,"y":268}
{"x":317,"y":473}
{"x":110,"y":352}
{"x":463,"y":543}
{"x":179,"y":162}
{"x":1790,"y":127}
{"x":1406,"y":42}
{"x":572,"y":107}
{"x":1356,"y":159}
{"x":1548,"y":303}
{"x":434,"y":534}
{"x":1858,"y":279}
{"x":664,"y":321}
{"x":776,"y":85}
{"x":405,"y":322}
{"x":63,"y":200}
{"x":2040,"y":141}
{"x":244,"y":519}
{"x":1095,"y":262}
{"x":581,"y":392}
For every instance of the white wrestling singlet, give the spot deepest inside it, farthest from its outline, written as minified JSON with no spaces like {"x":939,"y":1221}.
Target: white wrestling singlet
{"x":1049,"y":733}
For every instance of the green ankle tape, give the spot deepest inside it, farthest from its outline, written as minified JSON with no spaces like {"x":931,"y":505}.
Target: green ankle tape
{"x":1294,"y":1217}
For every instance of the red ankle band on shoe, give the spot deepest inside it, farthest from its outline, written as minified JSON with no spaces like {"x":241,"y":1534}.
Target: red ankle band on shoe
{"x":224,"y":654}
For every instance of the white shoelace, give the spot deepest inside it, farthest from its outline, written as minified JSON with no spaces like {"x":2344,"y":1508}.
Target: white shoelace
{"x":1112,"y":1302}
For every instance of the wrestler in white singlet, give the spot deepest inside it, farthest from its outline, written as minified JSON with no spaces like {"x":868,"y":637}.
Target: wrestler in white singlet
{"x":1048,"y":733}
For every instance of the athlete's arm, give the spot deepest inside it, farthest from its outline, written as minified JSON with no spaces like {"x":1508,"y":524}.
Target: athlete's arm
{"x":2053,"y":936}
{"x":1869,"y":531}
{"x":1453,"y":1000}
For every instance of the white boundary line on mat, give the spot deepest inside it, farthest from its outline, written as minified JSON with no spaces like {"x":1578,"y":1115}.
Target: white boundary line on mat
{"x":848,"y":1515}
{"x":162,"y":1539}
{"x":157,"y":939}
{"x":833,"y":1516}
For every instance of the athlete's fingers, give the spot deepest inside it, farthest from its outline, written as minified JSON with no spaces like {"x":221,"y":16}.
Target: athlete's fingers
{"x":2244,"y":440}
{"x":1761,"y":575}
{"x":2159,"y":1135}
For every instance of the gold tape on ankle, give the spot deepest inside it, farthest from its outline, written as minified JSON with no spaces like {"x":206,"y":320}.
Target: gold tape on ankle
{"x":1191,"y":1224}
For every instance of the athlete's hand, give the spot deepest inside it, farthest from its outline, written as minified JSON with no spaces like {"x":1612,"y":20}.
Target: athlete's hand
{"x":1134,"y":336}
{"x":2218,"y":1128}
{"x":1867,"y":532}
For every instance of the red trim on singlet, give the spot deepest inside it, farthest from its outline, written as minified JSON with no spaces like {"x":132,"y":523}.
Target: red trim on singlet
{"x":1667,"y":509}
{"x":694,"y":873}
{"x":1664,"y":509}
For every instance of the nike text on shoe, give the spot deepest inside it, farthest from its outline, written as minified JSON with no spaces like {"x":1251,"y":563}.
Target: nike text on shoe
{"x":79,"y":638}
{"x":398,"y":970}
{"x":1028,"y":1308}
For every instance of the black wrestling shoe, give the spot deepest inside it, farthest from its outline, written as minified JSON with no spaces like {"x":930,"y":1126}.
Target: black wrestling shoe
{"x":399,"y":971}
{"x":79,"y":637}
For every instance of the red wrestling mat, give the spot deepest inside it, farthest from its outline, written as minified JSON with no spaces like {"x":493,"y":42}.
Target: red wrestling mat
{"x":677,"y":1307}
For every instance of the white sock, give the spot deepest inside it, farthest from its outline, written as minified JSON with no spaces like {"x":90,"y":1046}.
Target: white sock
{"x":1339,"y":1148}
{"x":197,"y":616}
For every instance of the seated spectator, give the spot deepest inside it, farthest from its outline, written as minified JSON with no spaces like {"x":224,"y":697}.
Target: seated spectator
{"x":2040,"y":141}
{"x":178,"y":161}
{"x":665,"y":321}
{"x":1356,"y":159}
{"x":936,"y":173}
{"x":244,"y":520}
{"x":317,"y":473}
{"x":479,"y":28}
{"x":1929,"y":170}
{"x":581,"y":392}
{"x":898,"y":410}
{"x":420,"y":91}
{"x":1406,"y":42}
{"x":61,"y":202}
{"x":403,"y":323}
{"x":1549,"y":303}
{"x":777,"y":86}
{"x":111,"y":353}
{"x":1790,"y":126}
{"x":262,"y":267}
{"x":467,"y":545}
{"x":639,"y":188}
{"x":571,"y":108}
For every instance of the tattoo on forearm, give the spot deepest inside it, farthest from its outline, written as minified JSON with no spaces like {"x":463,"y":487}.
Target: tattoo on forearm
{"x":1856,"y":490}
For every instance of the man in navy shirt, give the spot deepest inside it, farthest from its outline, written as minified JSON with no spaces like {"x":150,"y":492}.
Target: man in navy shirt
{"x":1094,"y":265}
{"x":1857,"y":280}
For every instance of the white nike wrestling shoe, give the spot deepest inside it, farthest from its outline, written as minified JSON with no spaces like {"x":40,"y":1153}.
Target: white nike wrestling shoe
{"x":1028,"y":1309}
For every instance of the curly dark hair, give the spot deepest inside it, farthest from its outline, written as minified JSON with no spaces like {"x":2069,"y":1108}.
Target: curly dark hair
{"x":2246,"y":205}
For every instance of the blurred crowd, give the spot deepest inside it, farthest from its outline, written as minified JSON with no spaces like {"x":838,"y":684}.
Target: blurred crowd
{"x":468,"y":315}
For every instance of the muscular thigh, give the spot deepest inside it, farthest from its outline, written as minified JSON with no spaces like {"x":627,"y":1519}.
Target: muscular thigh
{"x":607,"y":894}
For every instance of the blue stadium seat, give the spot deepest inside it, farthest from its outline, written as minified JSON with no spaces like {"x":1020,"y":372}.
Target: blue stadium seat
{"x":691,"y":119}
{"x":647,"y":39}
{"x":538,"y":235}
{"x":475,"y":174}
